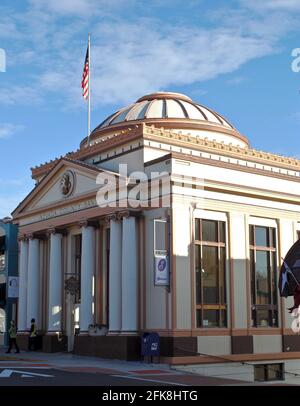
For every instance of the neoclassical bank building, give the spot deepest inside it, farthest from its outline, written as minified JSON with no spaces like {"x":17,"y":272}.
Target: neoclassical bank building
{"x":193,"y":257}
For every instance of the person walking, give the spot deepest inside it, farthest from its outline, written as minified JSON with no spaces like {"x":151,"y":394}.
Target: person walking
{"x":32,"y":336}
{"x":12,"y":333}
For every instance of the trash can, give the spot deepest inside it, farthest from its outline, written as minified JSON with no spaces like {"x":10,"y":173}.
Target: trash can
{"x":150,"y":346}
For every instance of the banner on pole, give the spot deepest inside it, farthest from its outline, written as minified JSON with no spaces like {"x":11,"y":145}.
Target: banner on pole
{"x":161,"y":271}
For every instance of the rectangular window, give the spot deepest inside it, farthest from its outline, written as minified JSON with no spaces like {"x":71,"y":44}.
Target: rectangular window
{"x":210,"y":270}
{"x":269,"y":372}
{"x":263,"y":268}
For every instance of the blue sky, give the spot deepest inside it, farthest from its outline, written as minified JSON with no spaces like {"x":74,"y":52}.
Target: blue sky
{"x":232,"y":55}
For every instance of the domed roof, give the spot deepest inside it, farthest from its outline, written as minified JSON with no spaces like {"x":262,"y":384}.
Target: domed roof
{"x":165,"y":105}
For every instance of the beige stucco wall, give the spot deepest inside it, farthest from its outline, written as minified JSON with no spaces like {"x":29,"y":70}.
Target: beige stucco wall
{"x":182,"y":251}
{"x":211,"y":345}
{"x":267,"y":344}
{"x":156,"y":297}
{"x":238,"y":231}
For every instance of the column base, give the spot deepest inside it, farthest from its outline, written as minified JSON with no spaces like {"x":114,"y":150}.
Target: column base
{"x":49,"y":342}
{"x":128,"y":333}
{"x":125,"y":347}
{"x":22,"y":340}
{"x":52,"y":343}
{"x":84,"y":333}
{"x":113,"y":332}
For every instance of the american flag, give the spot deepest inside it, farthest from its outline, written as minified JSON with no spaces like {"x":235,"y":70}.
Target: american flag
{"x":85,"y":77}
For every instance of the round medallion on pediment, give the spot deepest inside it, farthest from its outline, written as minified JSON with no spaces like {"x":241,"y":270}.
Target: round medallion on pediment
{"x":67,"y":183}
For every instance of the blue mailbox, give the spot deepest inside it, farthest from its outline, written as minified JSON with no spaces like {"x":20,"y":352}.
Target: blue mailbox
{"x":150,"y":345}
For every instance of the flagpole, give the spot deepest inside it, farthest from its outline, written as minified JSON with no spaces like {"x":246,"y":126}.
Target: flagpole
{"x":89,"y":99}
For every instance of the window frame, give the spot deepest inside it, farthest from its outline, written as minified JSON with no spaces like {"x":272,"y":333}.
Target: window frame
{"x":273,"y":306}
{"x":198,"y":244}
{"x":266,"y":372}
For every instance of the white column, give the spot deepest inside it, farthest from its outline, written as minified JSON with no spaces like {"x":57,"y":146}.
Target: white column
{"x":33,"y":281}
{"x":87,"y":272}
{"x":55,"y":283}
{"x":23,"y":274}
{"x":129,"y":275}
{"x":115,"y":276}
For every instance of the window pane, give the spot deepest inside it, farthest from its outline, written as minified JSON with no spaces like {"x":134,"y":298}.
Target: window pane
{"x":223,"y":318}
{"x":263,"y":318}
{"x":197,"y":230}
{"x":210,"y":275}
{"x":222,"y":231}
{"x":253,"y":316}
{"x":260,"y":373}
{"x":198,"y":318}
{"x":274,"y":277}
{"x":261,"y":236}
{"x":198,"y":274}
{"x":209,"y":230}
{"x":272,"y":233}
{"x":252,"y":269}
{"x":275,"y":372}
{"x":222,"y":268}
{"x":262,"y":280}
{"x":268,"y":372}
{"x":274,"y":315}
{"x":211,"y":318}
{"x":251,"y":236}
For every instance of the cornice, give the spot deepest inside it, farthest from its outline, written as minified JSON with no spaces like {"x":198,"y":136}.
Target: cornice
{"x":151,"y":132}
{"x":230,"y":150}
{"x":112,"y":140}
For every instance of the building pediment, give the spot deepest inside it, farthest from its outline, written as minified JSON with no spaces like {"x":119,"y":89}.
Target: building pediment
{"x":67,"y":183}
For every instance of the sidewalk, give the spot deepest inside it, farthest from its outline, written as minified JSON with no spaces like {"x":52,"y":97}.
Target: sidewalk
{"x":131,"y":369}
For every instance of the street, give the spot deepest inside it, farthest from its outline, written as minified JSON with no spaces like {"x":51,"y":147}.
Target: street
{"x":53,"y":377}
{"x":63,"y":369}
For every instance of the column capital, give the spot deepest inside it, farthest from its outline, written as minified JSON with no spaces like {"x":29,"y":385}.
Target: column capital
{"x":36,"y":236}
{"x":127,"y":213}
{"x":109,"y":217}
{"x":88,"y":223}
{"x":22,"y":238}
{"x":56,"y":230}
{"x":123,"y":214}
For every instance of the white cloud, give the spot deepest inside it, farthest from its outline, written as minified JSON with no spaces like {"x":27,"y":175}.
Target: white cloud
{"x":7,"y":130}
{"x":21,"y":95}
{"x":287,"y":5}
{"x":130,"y":59}
{"x":82,"y":8}
{"x":9,"y":203}
{"x":139,"y":58}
